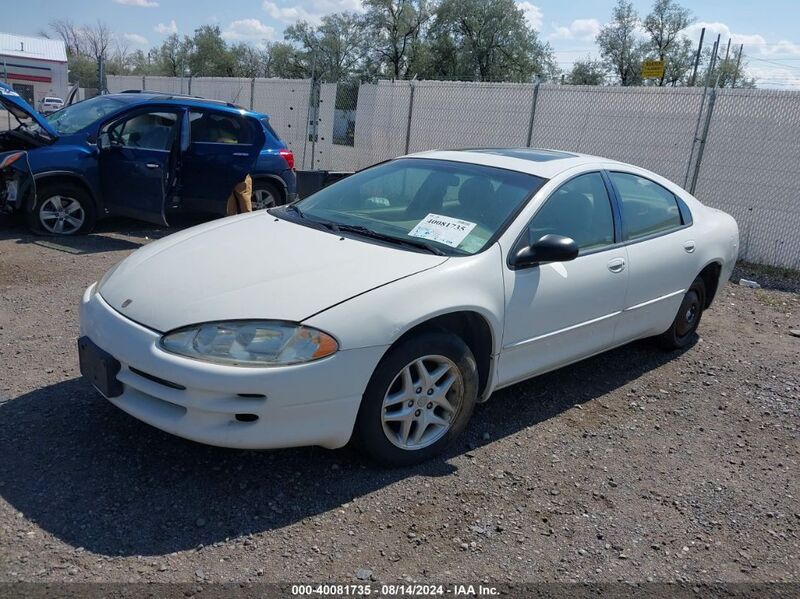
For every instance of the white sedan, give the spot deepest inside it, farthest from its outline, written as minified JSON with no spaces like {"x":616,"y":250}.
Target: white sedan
{"x":386,"y":305}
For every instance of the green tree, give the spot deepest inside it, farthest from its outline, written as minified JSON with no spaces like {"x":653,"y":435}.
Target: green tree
{"x":489,"y":40}
{"x":664,"y":24}
{"x":172,"y":57}
{"x":394,"y":28}
{"x":730,"y":72}
{"x":334,"y":50}
{"x":210,"y":56}
{"x":587,"y":72}
{"x":621,"y":49}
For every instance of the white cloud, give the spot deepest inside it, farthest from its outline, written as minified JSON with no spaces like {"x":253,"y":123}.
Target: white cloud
{"x":140,"y":3}
{"x":248,"y":30}
{"x":721,"y":29}
{"x":533,"y":14}
{"x":309,"y":10}
{"x":579,"y":29}
{"x":135,"y":38}
{"x":290,"y":14}
{"x":166,"y":29}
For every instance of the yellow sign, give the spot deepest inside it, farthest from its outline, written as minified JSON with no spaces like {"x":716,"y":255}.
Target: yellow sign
{"x":653,"y":69}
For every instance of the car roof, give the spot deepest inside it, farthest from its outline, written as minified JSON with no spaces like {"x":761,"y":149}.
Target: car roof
{"x":535,"y":161}
{"x":135,"y":96}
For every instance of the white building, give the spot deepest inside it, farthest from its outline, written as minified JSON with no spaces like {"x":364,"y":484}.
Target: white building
{"x":35,"y":67}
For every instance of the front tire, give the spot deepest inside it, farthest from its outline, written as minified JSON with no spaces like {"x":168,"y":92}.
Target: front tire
{"x":62,"y":209}
{"x":684,"y":328}
{"x":419,"y":399}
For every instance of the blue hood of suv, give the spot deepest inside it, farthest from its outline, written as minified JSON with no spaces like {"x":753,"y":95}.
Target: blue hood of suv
{"x":23,"y":111}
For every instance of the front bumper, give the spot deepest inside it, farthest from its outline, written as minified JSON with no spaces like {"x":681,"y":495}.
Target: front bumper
{"x":287,"y":406}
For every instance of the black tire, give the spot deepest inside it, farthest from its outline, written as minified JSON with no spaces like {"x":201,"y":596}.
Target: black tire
{"x":67,"y":193}
{"x":261,"y":186}
{"x":683,"y":330}
{"x":370,"y":430}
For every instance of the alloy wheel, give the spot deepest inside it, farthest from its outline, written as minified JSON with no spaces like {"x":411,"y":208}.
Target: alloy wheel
{"x":421,"y":404}
{"x":262,"y":199}
{"x":61,"y":215}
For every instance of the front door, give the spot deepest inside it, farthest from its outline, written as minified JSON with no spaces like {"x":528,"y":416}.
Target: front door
{"x":138,"y":163}
{"x":223,"y":149}
{"x":560,"y":312}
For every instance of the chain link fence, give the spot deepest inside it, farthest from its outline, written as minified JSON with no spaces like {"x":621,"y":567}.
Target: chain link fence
{"x":736,"y":150}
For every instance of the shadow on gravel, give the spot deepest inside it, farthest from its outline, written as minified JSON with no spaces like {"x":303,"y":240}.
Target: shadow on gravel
{"x":96,"y":478}
{"x":111,"y":234}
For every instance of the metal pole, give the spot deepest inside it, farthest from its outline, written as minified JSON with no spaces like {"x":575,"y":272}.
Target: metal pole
{"x":700,"y":113}
{"x":738,"y":65}
{"x":703,"y":139}
{"x":410,"y":115}
{"x":697,"y":57}
{"x":252,"y":92}
{"x":317,"y":90}
{"x":310,"y":100}
{"x":533,"y":112}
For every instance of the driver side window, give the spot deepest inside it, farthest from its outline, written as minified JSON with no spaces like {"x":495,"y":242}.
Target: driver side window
{"x":579,"y":209}
{"x":149,"y":130}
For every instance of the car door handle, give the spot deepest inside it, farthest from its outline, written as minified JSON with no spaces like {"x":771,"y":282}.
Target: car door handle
{"x":689,"y":246}
{"x":241,"y":154}
{"x":151,"y":165}
{"x":616,"y":265}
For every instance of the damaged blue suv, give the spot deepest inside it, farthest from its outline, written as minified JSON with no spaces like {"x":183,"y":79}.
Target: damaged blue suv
{"x":142,"y":155}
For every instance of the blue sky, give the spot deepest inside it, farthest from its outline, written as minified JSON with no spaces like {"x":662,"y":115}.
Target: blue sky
{"x":768,"y":28}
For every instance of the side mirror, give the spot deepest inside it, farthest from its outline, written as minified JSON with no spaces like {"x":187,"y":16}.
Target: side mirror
{"x":103,"y":141}
{"x":550,"y":248}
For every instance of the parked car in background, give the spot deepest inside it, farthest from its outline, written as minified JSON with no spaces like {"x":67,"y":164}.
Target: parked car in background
{"x":412,"y":290}
{"x":143,"y":155}
{"x":50,"y":104}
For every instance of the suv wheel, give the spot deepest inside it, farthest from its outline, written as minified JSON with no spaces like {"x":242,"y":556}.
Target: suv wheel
{"x":62,"y":209}
{"x":265,"y":195}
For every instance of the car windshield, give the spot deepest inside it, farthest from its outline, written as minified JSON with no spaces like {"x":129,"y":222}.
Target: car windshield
{"x":78,"y":116}
{"x":445,"y":207}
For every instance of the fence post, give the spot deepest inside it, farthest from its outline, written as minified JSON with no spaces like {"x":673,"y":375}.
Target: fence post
{"x":144,"y":82}
{"x":252,"y":92}
{"x":189,"y":86}
{"x":702,"y":146}
{"x":533,"y":112}
{"x":410,"y":116}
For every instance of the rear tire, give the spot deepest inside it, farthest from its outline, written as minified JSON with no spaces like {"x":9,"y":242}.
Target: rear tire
{"x":419,"y":399}
{"x":265,"y":195}
{"x":62,"y":210}
{"x":683,"y":330}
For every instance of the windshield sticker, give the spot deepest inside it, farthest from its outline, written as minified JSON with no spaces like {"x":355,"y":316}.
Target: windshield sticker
{"x":444,"y":229}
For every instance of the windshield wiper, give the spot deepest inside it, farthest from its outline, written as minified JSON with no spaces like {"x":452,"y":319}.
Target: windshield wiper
{"x":296,"y":210}
{"x":359,"y":230}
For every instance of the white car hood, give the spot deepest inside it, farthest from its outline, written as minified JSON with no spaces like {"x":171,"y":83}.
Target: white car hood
{"x":251,"y":266}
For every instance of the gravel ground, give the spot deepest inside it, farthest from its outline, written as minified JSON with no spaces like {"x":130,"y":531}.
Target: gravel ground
{"x":635,"y":465}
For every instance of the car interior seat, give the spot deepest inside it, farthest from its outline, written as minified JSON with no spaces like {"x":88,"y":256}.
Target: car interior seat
{"x":430,"y":195}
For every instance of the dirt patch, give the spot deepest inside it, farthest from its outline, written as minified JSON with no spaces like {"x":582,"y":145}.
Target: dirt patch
{"x":635,"y":465}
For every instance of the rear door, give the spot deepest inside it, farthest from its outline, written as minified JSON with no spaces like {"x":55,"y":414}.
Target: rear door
{"x":137,"y":161}
{"x":660,"y":239}
{"x":223,"y":149}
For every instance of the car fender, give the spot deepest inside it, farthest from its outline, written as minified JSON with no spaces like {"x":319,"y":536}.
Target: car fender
{"x":381,"y":316}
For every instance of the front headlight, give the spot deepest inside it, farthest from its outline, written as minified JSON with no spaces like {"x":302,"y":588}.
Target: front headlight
{"x":250,"y":343}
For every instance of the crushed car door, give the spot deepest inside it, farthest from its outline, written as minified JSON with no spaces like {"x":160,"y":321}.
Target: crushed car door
{"x":223,"y":149}
{"x":137,"y":161}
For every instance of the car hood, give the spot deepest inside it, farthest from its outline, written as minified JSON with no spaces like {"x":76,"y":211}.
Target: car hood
{"x":23,"y":111}
{"x":253,"y":266}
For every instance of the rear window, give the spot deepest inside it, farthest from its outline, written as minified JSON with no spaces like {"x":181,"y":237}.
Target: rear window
{"x":215,"y":127}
